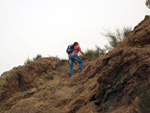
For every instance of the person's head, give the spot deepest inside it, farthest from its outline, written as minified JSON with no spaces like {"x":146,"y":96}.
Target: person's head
{"x":76,"y":43}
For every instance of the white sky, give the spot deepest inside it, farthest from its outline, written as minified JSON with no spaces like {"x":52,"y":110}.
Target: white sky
{"x":47,"y":27}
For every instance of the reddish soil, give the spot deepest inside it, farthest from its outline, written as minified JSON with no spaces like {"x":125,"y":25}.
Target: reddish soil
{"x":108,"y":84}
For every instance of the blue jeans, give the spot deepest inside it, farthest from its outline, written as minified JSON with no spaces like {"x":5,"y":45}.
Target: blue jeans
{"x":72,"y":58}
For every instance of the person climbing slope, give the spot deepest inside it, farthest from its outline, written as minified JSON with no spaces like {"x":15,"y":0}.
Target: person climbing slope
{"x":73,"y":51}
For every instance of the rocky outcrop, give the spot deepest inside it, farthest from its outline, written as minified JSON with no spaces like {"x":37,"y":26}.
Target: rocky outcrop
{"x":108,"y":84}
{"x":22,"y":82}
{"x":123,"y":70}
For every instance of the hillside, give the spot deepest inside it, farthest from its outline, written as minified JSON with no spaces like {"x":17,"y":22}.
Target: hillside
{"x":106,"y":85}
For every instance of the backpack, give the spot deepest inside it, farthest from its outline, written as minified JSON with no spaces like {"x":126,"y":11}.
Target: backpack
{"x":70,"y":49}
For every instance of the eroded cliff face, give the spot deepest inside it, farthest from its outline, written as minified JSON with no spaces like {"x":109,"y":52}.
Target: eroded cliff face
{"x":107,"y":84}
{"x":123,"y":70}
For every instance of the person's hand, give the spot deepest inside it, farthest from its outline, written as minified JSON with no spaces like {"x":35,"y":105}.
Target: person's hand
{"x":83,"y":54}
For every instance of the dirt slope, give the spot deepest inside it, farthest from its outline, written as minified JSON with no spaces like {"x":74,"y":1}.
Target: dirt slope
{"x":106,"y":85}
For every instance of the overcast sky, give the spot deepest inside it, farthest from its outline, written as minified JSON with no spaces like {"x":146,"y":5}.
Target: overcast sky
{"x":47,"y":27}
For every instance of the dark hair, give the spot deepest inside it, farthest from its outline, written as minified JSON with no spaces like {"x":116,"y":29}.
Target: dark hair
{"x":75,"y":43}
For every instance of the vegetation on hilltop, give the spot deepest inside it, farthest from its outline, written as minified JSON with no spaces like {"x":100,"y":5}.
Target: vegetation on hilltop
{"x":114,"y":38}
{"x":148,"y":3}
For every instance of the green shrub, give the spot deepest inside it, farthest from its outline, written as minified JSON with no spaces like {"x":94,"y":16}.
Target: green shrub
{"x":116,"y":37}
{"x":147,"y":3}
{"x":28,"y":61}
{"x":93,"y":54}
{"x":37,"y":57}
